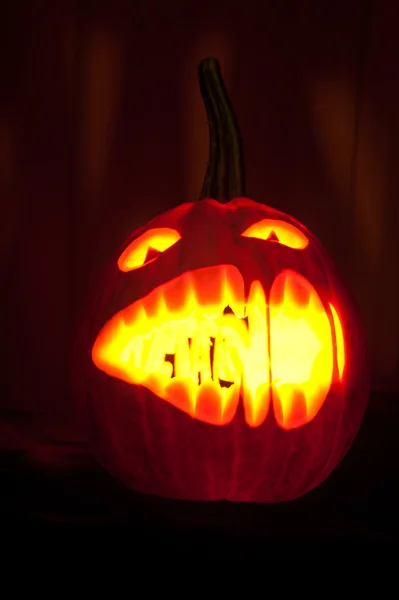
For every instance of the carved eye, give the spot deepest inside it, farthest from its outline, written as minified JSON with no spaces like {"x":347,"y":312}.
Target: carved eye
{"x":147,"y":248}
{"x":272,"y":230}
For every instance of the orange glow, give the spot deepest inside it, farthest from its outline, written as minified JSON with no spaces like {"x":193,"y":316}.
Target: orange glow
{"x":301,"y":350}
{"x":181,"y":343}
{"x":136,"y":254}
{"x":340,"y":342}
{"x":277,"y":231}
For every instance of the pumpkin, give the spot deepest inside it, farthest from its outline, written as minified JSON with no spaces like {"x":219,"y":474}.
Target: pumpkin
{"x":223,"y":357}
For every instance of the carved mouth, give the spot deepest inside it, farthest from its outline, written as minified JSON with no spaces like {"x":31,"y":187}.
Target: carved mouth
{"x":198,"y":343}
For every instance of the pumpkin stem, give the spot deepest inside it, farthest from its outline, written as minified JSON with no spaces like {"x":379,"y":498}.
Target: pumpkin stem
{"x":224,"y":178}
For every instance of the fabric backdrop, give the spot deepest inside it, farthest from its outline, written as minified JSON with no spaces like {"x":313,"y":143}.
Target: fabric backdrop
{"x":102,"y":127}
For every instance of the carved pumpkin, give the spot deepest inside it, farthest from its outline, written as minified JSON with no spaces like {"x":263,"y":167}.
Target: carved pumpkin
{"x":224,"y":358}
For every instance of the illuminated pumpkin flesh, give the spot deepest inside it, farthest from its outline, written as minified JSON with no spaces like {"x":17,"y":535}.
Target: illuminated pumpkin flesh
{"x":222,"y":355}
{"x":227,"y":317}
{"x":179,"y":344}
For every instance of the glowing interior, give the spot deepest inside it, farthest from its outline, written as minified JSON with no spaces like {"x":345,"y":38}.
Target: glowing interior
{"x":340,"y":341}
{"x":277,"y":231}
{"x":137,"y":253}
{"x":199,"y":344}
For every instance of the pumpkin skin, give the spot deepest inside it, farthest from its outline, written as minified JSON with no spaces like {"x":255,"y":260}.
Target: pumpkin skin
{"x":290,"y":442}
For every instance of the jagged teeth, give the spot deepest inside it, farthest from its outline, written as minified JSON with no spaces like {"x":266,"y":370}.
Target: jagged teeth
{"x":234,"y":295}
{"x":283,"y":354}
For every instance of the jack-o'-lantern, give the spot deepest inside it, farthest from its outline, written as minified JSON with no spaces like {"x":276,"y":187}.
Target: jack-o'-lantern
{"x":223,"y":355}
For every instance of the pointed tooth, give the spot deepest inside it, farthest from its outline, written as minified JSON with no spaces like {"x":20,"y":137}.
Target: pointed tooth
{"x":231,"y":398}
{"x":297,"y":294}
{"x":181,"y":393}
{"x":299,"y":291}
{"x":216,"y":405}
{"x":155,"y":306}
{"x":179,"y":297}
{"x":234,"y":294}
{"x":300,"y":349}
{"x":156,"y":383}
{"x":289,"y":404}
{"x":256,"y":404}
{"x":208,"y":288}
{"x":256,"y":298}
{"x":208,"y":406}
{"x":296,"y":404}
{"x":256,"y":395}
{"x":135,"y":316}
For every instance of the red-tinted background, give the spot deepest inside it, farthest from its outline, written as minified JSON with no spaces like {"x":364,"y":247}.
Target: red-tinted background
{"x":102,"y":127}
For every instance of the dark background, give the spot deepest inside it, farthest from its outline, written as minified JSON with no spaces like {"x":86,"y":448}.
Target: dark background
{"x":101,"y":128}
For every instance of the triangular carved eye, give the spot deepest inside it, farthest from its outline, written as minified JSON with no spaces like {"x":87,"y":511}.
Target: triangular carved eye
{"x":152,"y":253}
{"x":272,"y":237}
{"x":147,"y":248}
{"x":275,"y":230}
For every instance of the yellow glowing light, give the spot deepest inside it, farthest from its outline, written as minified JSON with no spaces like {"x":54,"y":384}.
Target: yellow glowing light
{"x":135,"y":255}
{"x":301,"y":350}
{"x":279,"y":231}
{"x":340,"y":341}
{"x":178,"y":343}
